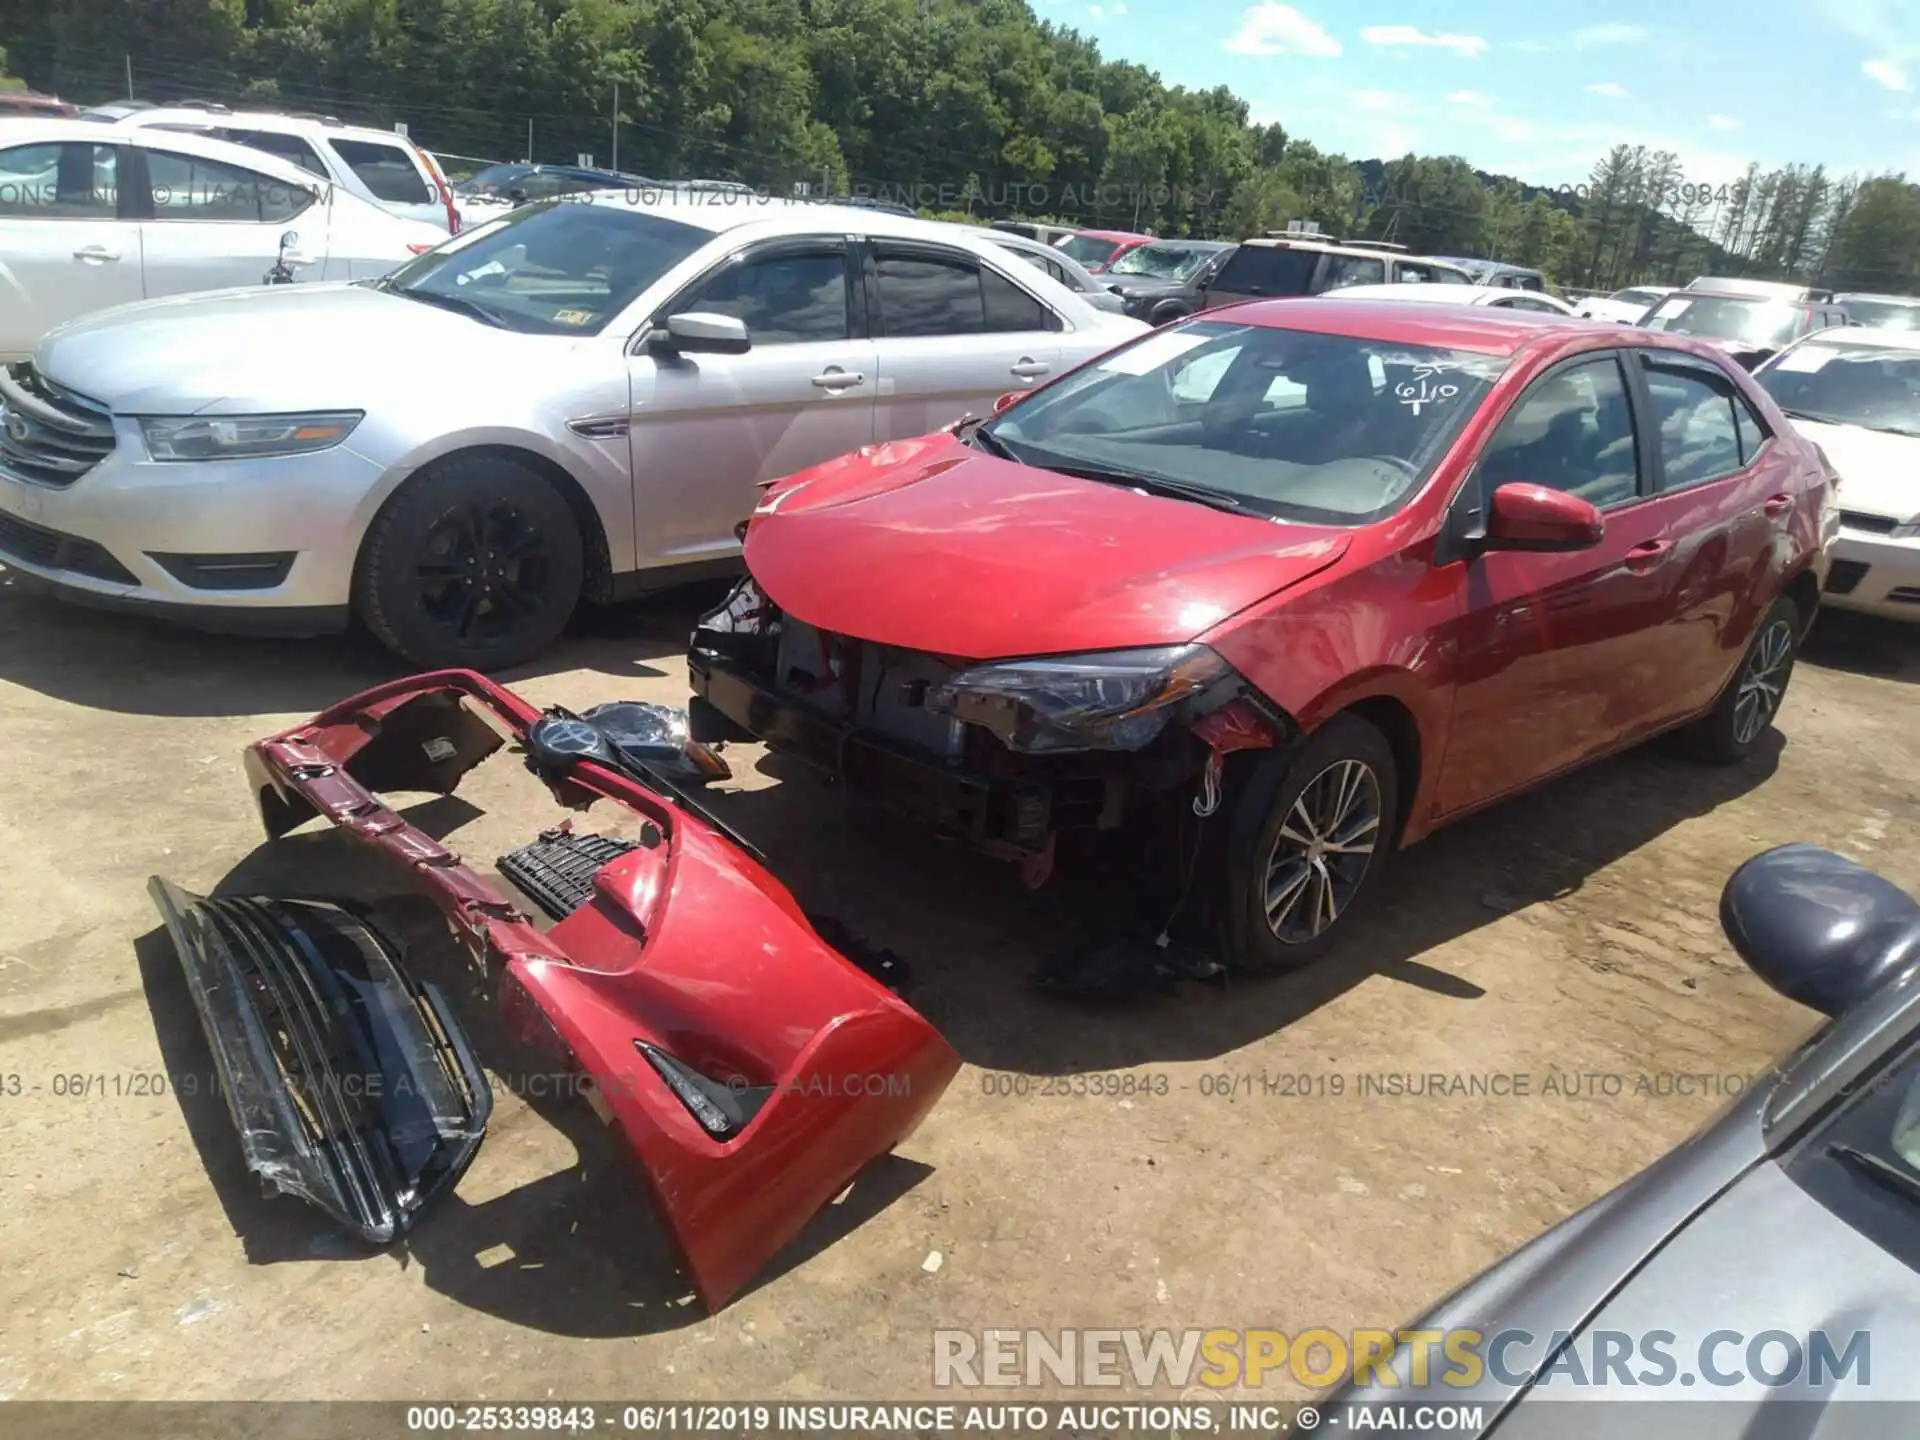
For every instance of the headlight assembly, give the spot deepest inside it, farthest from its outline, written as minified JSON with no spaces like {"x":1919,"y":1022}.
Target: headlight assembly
{"x":1111,"y":700}
{"x":245,"y":437}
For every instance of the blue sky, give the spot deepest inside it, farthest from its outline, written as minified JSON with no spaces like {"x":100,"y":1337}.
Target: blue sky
{"x":1542,"y":90}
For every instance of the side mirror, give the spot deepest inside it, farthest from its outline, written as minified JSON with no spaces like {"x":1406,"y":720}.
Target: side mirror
{"x":1533,"y":517}
{"x":701,"y":332}
{"x":1007,"y":401}
{"x":1819,"y":928}
{"x":291,"y":255}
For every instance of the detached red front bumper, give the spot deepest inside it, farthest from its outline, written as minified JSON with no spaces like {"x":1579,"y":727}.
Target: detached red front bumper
{"x":686,"y":946}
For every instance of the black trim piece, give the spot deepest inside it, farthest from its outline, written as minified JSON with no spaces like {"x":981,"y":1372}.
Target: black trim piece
{"x":351,"y":1084}
{"x":881,"y":247}
{"x":285,"y":622}
{"x":556,"y":871}
{"x":51,"y":549}
{"x":261,"y":571}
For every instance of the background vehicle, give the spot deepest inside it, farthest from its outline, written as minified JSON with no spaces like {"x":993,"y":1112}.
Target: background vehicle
{"x":378,"y":166}
{"x":1423,"y":484}
{"x":578,"y":398}
{"x":1270,"y":266}
{"x":1162,"y":282}
{"x":1062,"y":267}
{"x":1097,"y":249}
{"x":1856,"y":394}
{"x":1883,"y":312}
{"x":1498,"y":297}
{"x":1625,"y":306}
{"x":1814,"y":1170}
{"x":485,"y":193}
{"x":1035,"y":230}
{"x":1498,"y":273}
{"x":1747,"y":327}
{"x":1759,"y":289}
{"x":32,"y":104}
{"x":92,"y":217}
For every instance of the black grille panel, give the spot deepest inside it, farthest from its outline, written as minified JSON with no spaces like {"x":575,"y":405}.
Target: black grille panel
{"x":260,"y":571}
{"x":556,"y":871}
{"x":50,"y":550}
{"x":1871,"y":524}
{"x":48,"y":434}
{"x":1844,"y":576}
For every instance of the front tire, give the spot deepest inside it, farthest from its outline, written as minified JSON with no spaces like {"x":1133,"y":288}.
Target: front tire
{"x":1309,"y":835}
{"x":1733,"y":729}
{"x":475,"y":563}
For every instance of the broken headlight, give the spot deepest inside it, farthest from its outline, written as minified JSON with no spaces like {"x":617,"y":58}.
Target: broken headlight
{"x":1112,"y":700}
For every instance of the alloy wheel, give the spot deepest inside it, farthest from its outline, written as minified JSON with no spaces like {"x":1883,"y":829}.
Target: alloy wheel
{"x":1762,"y":682}
{"x":485,"y":569}
{"x":1323,"y":851}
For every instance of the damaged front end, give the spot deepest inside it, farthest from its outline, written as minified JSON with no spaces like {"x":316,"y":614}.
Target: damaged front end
{"x":750,"y":1069}
{"x":1008,"y":755}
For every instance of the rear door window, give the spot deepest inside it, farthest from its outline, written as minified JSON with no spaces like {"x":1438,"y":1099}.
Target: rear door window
{"x":943,"y":293}
{"x":1353,"y":270}
{"x":1268,"y":270}
{"x":191,"y":187}
{"x":1697,"y":415}
{"x":287,"y":147}
{"x":70,"y":180}
{"x":386,"y":169}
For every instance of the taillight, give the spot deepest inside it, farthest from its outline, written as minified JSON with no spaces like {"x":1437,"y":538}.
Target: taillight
{"x":446,"y":190}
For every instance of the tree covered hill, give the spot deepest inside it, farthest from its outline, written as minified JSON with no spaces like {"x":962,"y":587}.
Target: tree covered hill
{"x":969,"y":105}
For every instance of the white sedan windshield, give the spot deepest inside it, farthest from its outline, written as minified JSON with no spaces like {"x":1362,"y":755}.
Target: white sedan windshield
{"x":1323,"y":429}
{"x":1874,"y":386}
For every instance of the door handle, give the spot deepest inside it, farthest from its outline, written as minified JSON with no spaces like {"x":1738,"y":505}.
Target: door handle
{"x":1645,"y":556}
{"x":1027,"y":368}
{"x":95,"y":252}
{"x":836,"y":379}
{"x":1777,"y":505}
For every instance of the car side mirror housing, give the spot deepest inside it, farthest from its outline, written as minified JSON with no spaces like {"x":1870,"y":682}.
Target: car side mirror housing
{"x":1534,"y":517}
{"x":702,"y":332}
{"x":1007,"y":401}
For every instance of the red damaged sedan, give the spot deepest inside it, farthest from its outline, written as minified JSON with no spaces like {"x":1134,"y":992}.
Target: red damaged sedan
{"x":1313,"y":576}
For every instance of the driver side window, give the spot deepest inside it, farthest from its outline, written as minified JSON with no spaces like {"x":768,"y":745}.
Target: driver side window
{"x":792,"y":298}
{"x":1572,"y":431}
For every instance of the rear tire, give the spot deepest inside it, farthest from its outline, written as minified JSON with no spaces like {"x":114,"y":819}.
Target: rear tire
{"x":1746,"y":709}
{"x":475,"y":563}
{"x":1309,"y":835}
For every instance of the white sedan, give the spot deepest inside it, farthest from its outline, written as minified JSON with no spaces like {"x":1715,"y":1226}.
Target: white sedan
{"x":1498,"y":297}
{"x":92,"y":217}
{"x":1625,"y":307}
{"x":1855,"y":393}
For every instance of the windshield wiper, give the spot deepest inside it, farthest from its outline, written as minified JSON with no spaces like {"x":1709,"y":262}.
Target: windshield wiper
{"x":1907,"y":430}
{"x":1883,"y":1173}
{"x":1153,"y":485}
{"x":459,"y":304}
{"x":1810,"y":415}
{"x":986,"y":440}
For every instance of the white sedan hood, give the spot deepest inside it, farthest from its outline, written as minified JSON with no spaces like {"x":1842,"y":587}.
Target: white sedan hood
{"x":1879,"y":471}
{"x":261,"y":349}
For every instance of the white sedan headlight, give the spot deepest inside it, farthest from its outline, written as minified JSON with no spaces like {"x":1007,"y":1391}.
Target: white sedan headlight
{"x":245,"y":437}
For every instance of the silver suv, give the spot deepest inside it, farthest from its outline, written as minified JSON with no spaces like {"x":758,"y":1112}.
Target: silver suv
{"x":581,"y":398}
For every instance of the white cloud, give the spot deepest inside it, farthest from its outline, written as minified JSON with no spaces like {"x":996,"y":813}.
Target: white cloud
{"x":1595,"y":35}
{"x":1119,"y":7}
{"x":1886,"y":73}
{"x":1095,"y":11}
{"x":1612,"y":89}
{"x":1270,"y":28}
{"x":1376,"y":102}
{"x":1722,"y":123}
{"x":1478,"y":99}
{"x":1403,"y":35}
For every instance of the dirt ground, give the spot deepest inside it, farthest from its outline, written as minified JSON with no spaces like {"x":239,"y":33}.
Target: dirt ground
{"x":1570,"y":935}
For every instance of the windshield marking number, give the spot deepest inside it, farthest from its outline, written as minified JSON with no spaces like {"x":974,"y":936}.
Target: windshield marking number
{"x":1422,"y":391}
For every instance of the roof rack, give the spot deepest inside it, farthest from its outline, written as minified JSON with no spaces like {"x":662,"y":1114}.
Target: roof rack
{"x":211,"y":106}
{"x":1375,"y":245}
{"x":313,"y":115}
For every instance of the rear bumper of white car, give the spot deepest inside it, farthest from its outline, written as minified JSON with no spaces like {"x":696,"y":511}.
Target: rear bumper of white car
{"x":1876,"y":574}
{"x":262,"y":546}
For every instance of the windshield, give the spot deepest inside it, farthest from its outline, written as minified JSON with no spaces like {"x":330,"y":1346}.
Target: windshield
{"x":1164,"y":262}
{"x":1089,"y":250}
{"x":1322,"y":429}
{"x":556,"y":268}
{"x":1885,"y":314}
{"x":494,"y":180}
{"x":1634,"y":297}
{"x":1764,"y":324}
{"x":1848,"y":384}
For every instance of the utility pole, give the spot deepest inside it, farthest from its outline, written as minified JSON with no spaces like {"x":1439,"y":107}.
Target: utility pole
{"x":129,"y":59}
{"x":616,"y":127}
{"x":529,"y":140}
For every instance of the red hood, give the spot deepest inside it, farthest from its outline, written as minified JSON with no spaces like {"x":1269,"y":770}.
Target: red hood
{"x":931,"y":545}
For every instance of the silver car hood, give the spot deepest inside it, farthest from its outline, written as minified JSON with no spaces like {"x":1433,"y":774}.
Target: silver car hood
{"x":264,"y":348}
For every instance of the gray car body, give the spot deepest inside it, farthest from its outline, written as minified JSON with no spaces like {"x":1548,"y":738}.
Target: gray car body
{"x":1674,"y":1249}
{"x":669,"y":456}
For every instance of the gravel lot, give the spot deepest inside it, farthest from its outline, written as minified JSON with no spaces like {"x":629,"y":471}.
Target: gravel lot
{"x":1571,"y":935}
